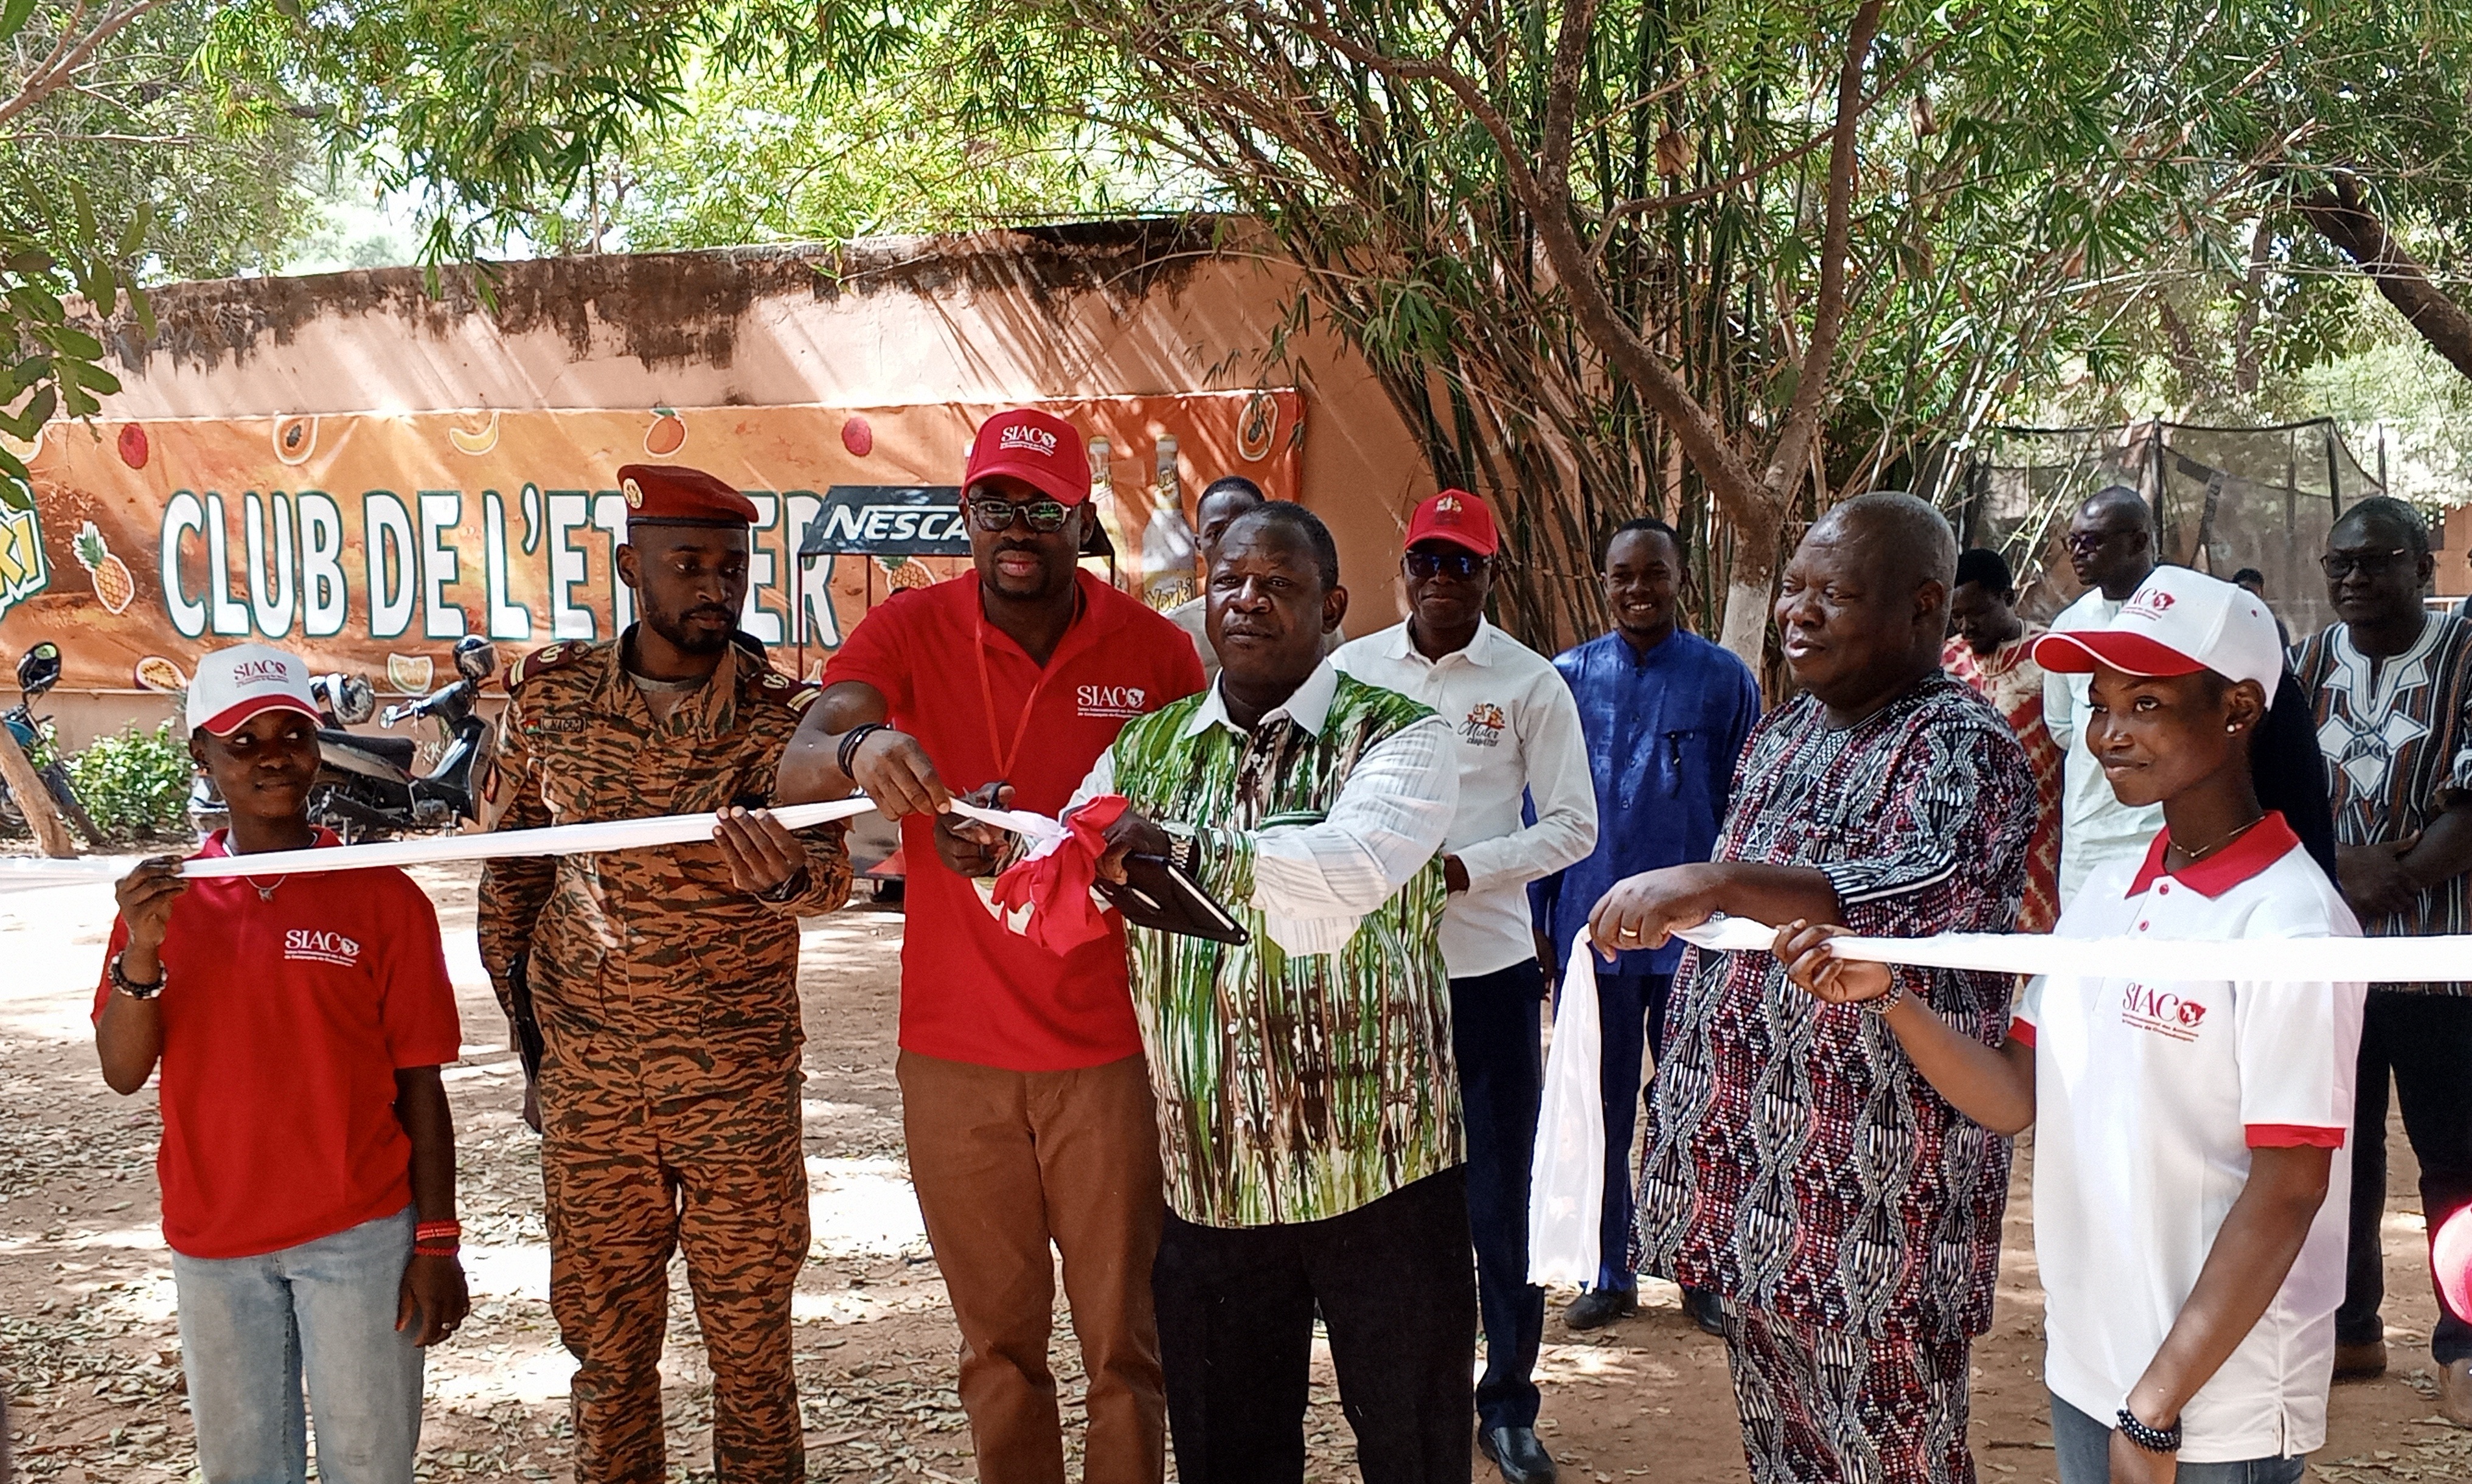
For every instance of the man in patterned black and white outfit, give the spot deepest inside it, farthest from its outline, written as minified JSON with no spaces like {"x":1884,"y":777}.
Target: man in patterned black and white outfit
{"x":1795,"y":1163}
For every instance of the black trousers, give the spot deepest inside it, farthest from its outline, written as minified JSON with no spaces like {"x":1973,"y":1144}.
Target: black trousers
{"x":1398,"y":1295}
{"x":2425,"y":1043}
{"x":1496,"y":1039}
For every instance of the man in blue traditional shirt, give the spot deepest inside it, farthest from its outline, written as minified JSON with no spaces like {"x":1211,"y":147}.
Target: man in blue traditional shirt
{"x":1665,"y":713}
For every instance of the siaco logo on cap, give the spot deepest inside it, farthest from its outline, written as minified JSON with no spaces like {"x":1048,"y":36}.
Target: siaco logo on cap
{"x":261,"y":672}
{"x":1038,"y":441}
{"x":2150,"y":601}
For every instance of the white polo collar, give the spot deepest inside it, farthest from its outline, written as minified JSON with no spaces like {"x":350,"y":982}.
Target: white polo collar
{"x":1397,"y":645}
{"x":1308,"y":706}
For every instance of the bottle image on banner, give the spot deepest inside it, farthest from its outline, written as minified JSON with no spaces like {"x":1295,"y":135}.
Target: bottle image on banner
{"x":1168,"y":549}
{"x":1112,"y":520}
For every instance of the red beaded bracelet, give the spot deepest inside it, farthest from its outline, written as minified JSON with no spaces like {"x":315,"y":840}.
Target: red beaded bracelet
{"x":436,"y":1238}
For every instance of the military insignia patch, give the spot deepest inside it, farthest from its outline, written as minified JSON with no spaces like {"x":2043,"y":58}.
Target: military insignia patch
{"x":635,"y":493}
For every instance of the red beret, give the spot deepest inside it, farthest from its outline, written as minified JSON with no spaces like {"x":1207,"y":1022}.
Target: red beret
{"x":673,"y":492}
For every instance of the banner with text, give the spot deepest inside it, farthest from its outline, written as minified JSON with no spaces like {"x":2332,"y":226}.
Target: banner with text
{"x":372,"y":541}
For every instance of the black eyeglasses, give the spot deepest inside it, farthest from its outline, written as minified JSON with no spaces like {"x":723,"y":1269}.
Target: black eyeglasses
{"x":1458,"y":564}
{"x":2338,"y":565}
{"x":993,"y":515}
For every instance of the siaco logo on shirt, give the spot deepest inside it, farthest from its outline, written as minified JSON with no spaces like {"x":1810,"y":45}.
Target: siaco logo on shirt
{"x":2161,"y":1011}
{"x":318,"y":946}
{"x":1110,"y":701}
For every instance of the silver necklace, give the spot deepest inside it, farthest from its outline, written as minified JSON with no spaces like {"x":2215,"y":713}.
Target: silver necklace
{"x":266,"y":889}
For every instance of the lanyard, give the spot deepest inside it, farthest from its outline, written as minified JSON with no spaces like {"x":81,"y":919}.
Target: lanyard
{"x":996,"y":748}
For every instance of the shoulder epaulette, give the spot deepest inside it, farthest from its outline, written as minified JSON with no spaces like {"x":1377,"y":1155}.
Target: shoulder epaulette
{"x":555,"y":656}
{"x":796,"y":695}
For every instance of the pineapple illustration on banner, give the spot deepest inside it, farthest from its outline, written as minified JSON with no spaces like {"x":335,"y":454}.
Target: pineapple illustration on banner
{"x":23,"y":572}
{"x":906,"y":572}
{"x":112,"y":583}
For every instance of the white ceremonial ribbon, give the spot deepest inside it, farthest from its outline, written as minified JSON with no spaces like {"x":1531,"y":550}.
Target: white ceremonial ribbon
{"x":564,"y":840}
{"x":2159,"y":961}
{"x":1038,"y":827}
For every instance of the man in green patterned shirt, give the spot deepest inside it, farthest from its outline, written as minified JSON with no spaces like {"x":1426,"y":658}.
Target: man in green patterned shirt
{"x":1309,"y":1122}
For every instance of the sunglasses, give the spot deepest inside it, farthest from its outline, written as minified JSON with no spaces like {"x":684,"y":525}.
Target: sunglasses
{"x":991,"y":515}
{"x":2087,"y":543}
{"x":1458,"y":564}
{"x":2338,"y":565}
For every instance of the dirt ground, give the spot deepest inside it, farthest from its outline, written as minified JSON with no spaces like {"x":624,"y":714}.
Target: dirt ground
{"x":89,"y":1351}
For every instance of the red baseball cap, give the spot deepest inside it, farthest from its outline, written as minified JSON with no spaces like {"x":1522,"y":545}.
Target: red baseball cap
{"x":1457,"y":517}
{"x":1038,"y":448}
{"x":674,"y":492}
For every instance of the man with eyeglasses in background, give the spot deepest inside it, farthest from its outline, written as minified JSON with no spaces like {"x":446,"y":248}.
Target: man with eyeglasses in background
{"x":1025,"y":1101}
{"x":2391,"y":687}
{"x":1516,"y":739}
{"x":2111,"y":550}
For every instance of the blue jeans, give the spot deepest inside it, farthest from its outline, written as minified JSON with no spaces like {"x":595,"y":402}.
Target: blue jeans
{"x":2084,"y":1447}
{"x":253,"y":1328}
{"x":1498,"y":1043}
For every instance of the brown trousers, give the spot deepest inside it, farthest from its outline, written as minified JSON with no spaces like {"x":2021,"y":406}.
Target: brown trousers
{"x":1004,"y":1162}
{"x":718,"y":1172}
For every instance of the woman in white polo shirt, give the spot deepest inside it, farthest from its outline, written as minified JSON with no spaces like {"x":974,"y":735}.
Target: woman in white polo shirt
{"x":2188,"y":1210}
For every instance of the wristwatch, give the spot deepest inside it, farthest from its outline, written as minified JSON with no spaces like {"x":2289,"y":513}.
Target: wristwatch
{"x":787,"y":887}
{"x":132,"y":988}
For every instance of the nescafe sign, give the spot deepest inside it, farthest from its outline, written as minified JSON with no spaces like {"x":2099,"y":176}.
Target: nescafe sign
{"x":889,"y":520}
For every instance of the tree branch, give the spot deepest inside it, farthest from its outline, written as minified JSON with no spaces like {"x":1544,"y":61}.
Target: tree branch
{"x":71,"y":54}
{"x":1828,"y":309}
{"x":2342,"y":215}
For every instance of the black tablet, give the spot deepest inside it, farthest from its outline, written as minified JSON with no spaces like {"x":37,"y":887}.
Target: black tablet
{"x":1159,"y":896}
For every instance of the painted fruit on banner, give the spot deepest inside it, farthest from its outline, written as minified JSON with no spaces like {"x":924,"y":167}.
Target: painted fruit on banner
{"x":476,"y":444}
{"x":112,"y":584}
{"x":295,"y":439}
{"x":858,"y":437}
{"x":667,"y":434}
{"x":906,"y":572}
{"x":411,"y":673}
{"x":1259,"y":427}
{"x":134,"y":451}
{"x":155,"y":673}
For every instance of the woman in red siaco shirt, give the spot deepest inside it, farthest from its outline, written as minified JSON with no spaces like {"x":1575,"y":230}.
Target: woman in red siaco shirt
{"x":308,"y":1156}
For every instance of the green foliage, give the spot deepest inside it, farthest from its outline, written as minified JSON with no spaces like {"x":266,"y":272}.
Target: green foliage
{"x":136,"y":783}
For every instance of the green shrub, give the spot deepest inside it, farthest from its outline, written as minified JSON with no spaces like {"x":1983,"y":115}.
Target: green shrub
{"x":136,"y":783}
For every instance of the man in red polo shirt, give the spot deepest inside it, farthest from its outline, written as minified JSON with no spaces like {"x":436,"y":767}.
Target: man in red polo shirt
{"x":1024,"y":1100}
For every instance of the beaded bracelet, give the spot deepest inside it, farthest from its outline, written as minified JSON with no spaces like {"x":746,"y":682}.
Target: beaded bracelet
{"x":2153,"y":1440}
{"x":436,"y":1238}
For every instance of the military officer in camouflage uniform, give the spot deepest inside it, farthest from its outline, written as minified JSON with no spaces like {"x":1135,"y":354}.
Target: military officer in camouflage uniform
{"x":663,"y":982}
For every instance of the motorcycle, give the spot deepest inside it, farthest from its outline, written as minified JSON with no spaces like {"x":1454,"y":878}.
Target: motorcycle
{"x":39,"y":669}
{"x":366,"y":787}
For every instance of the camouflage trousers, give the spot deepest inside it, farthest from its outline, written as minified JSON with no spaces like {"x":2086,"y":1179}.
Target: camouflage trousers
{"x":715,"y":1171}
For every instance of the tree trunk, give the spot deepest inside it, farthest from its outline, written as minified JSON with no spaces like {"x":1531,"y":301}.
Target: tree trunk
{"x":34,"y":800}
{"x":2343,"y":217}
{"x":1750,"y":593}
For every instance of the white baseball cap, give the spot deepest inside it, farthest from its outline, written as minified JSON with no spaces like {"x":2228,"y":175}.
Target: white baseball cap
{"x":235,"y":684}
{"x":2177,"y":622}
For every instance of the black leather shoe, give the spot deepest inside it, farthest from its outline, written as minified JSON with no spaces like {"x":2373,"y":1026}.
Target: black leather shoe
{"x":1517,"y":1452}
{"x":1705,"y":1310}
{"x":1600,"y":1307}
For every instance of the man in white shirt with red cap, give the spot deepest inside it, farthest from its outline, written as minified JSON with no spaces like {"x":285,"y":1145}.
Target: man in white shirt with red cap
{"x":1515,"y":738}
